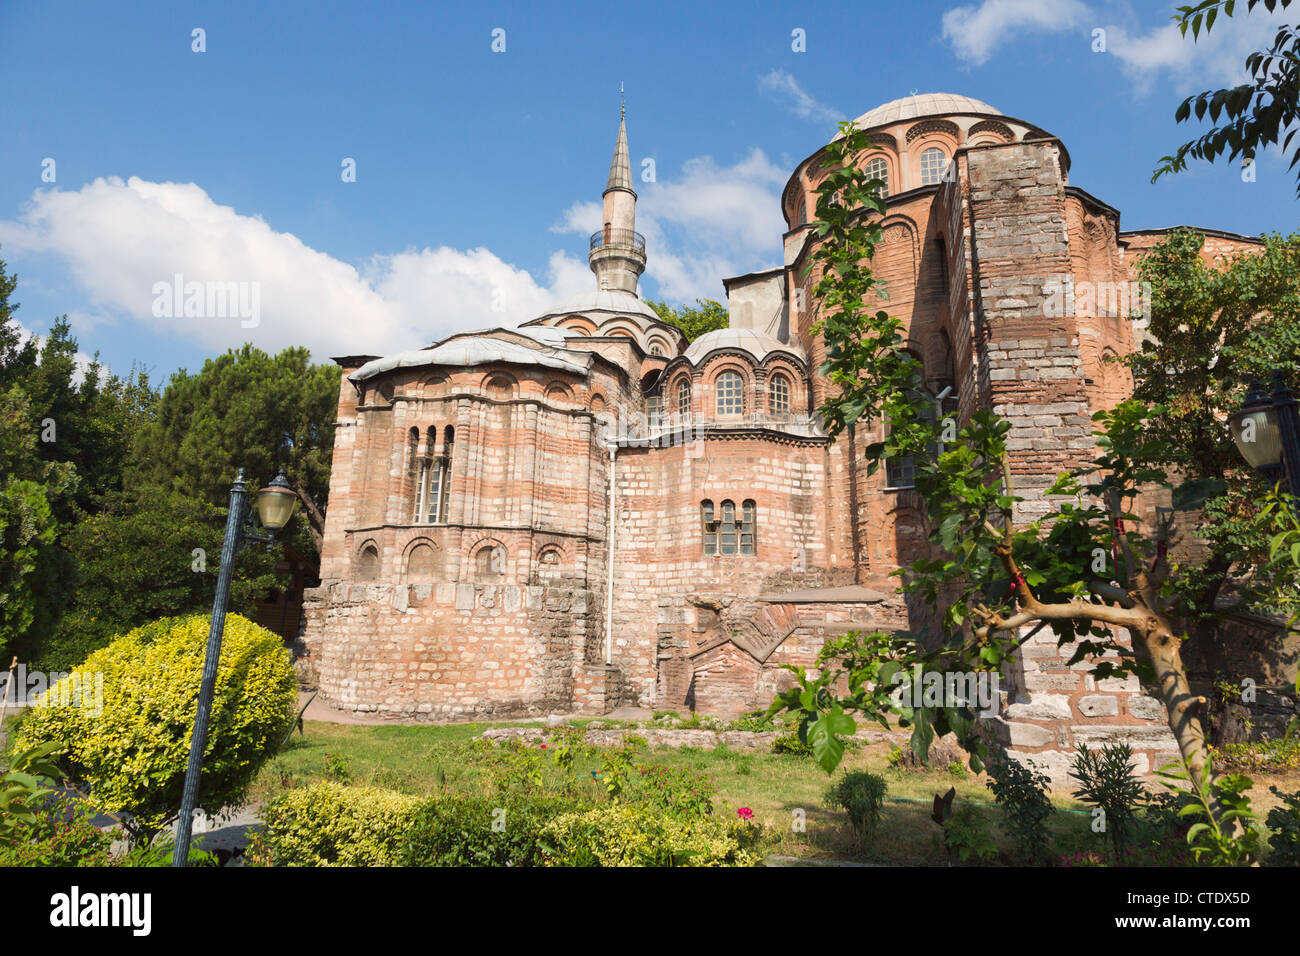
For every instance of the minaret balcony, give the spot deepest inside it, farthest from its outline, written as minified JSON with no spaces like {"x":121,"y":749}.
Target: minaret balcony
{"x":620,"y":239}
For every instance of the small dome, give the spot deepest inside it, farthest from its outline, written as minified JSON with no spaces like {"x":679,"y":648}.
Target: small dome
{"x":756,"y":344}
{"x":923,"y":104}
{"x":621,"y":303}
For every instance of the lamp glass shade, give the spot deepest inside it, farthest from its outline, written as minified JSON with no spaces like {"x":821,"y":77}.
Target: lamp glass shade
{"x":1256,"y":433}
{"x":275,"y":507}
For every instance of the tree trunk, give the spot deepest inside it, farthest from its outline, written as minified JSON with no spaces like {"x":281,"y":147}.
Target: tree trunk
{"x":1183,"y":708}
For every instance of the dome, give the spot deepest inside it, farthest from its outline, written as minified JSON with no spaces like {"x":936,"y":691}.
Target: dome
{"x":481,"y":348}
{"x":923,"y":104}
{"x":756,"y":344}
{"x":622,"y":303}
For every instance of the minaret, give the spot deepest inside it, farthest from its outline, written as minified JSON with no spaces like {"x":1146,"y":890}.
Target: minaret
{"x":617,"y":253}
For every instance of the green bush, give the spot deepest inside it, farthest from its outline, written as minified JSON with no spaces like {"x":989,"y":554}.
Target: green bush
{"x":622,"y":835}
{"x":1107,"y":782}
{"x":966,"y":836}
{"x":478,"y":831}
{"x":1284,"y":821}
{"x":1026,"y":808}
{"x":58,"y":834}
{"x":791,"y":744}
{"x":329,"y":824}
{"x":131,"y":758}
{"x":862,"y":796}
{"x":678,"y":790}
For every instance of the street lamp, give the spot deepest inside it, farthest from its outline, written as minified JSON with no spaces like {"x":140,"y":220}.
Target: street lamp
{"x":274,"y":505}
{"x":1266,"y":430}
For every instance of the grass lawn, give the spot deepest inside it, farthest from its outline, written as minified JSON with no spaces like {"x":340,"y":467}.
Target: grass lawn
{"x":425,"y":760}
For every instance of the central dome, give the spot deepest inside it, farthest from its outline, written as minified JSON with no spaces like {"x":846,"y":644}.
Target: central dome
{"x":756,"y":344}
{"x":923,"y":104}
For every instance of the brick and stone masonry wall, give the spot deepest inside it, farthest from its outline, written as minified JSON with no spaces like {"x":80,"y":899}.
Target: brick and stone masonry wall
{"x":1019,"y":245}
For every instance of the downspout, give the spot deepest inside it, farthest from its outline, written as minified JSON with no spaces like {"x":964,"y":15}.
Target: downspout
{"x":609,"y":562}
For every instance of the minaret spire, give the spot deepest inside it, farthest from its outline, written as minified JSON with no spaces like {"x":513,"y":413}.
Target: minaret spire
{"x":617,"y":255}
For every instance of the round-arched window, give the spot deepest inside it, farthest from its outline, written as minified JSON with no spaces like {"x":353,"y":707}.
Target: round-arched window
{"x":730,"y":389}
{"x":778,"y":396}
{"x":934,"y":164}
{"x":878,"y":169}
{"x":684,"y":399}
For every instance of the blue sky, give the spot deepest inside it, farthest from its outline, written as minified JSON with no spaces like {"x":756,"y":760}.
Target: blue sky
{"x":478,"y":173}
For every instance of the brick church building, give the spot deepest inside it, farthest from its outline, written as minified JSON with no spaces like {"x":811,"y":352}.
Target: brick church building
{"x":587,"y":510}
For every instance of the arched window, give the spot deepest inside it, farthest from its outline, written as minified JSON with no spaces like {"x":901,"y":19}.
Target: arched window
{"x":901,"y":472}
{"x":710,"y":527}
{"x":684,"y":399}
{"x":778,"y":396}
{"x":730,"y":388}
{"x":490,"y":563}
{"x":435,"y":480}
{"x":368,"y":564}
{"x":727,"y":531}
{"x":656,"y":349}
{"x":934,"y":164}
{"x":878,"y":169}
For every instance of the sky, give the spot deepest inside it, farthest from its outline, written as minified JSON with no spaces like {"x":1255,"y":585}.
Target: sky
{"x":364,"y":178}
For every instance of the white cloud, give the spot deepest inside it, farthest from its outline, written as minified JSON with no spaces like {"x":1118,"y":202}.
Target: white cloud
{"x":976,"y":32}
{"x":120,"y":238}
{"x":709,"y":223}
{"x":1215,"y":58}
{"x":787,"y":89}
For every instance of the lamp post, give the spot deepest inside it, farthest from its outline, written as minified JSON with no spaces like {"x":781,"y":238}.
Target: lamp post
{"x":1266,"y":430}
{"x":274,"y":505}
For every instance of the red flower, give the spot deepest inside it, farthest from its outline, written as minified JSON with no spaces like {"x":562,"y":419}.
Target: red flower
{"x":745,"y":813}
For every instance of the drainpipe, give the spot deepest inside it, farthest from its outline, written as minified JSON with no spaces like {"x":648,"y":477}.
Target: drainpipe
{"x":609,"y":562}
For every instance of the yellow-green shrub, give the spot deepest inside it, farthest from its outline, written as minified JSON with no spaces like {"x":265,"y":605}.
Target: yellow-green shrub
{"x":330,"y":824}
{"x":622,"y":835}
{"x":131,"y":758}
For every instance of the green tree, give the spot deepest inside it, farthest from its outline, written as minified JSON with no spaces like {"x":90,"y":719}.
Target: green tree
{"x":92,"y":415}
{"x":1214,"y":327}
{"x":245,"y":409}
{"x":36,"y":575}
{"x":705,"y":316}
{"x":1255,"y":114}
{"x":149,"y":553}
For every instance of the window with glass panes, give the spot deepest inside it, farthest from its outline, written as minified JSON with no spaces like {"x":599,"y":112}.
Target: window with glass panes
{"x":684,"y":399}
{"x":435,"y":481}
{"x":778,"y":395}
{"x":748,"y":518}
{"x":878,"y":169}
{"x":933,"y":166}
{"x":653,"y":410}
{"x":709,"y":527}
{"x":730,"y":390}
{"x":727,"y":531}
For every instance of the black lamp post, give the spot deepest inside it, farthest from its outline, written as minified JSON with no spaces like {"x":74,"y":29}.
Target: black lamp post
{"x":1266,"y":430}
{"x":274,"y":505}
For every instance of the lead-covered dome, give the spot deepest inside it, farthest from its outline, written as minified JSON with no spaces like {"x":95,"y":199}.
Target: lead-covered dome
{"x":923,"y":104}
{"x":756,"y":344}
